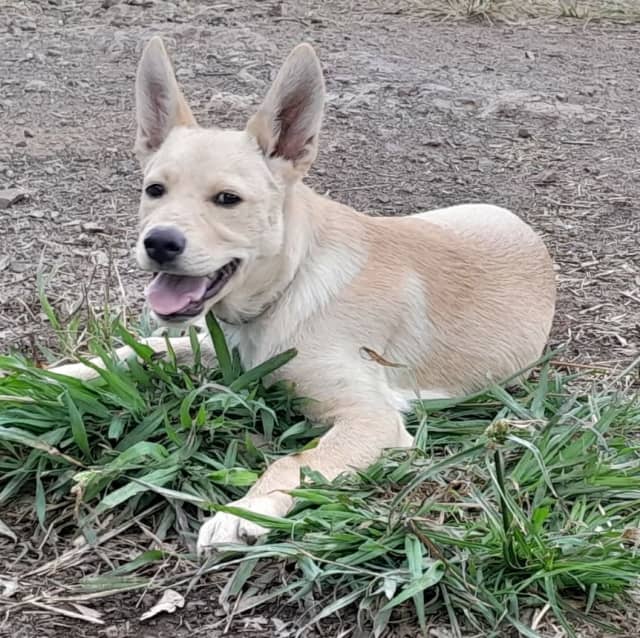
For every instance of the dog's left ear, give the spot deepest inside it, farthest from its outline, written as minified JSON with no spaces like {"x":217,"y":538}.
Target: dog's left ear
{"x":287,"y":123}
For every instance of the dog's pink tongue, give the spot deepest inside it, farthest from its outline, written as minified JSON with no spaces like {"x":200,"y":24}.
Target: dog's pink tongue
{"x":168,"y":294}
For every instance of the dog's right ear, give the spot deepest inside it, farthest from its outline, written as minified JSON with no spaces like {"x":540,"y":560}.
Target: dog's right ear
{"x":160,"y":104}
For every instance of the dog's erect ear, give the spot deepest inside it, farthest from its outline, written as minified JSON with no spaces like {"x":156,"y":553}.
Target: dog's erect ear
{"x":287,"y":123}
{"x":159,"y":102}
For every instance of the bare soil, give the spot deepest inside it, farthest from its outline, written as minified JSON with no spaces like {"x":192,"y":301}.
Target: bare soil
{"x":540,"y":117}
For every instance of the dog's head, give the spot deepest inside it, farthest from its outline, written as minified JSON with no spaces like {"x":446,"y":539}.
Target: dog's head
{"x":212,"y":204}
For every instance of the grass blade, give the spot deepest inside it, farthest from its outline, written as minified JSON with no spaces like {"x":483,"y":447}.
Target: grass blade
{"x":221,"y":349}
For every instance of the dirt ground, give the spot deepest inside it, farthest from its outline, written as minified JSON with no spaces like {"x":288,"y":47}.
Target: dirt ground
{"x":541,"y":118}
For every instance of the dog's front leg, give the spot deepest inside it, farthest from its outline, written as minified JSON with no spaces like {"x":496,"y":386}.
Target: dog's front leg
{"x":180,"y":345}
{"x":354,"y":442}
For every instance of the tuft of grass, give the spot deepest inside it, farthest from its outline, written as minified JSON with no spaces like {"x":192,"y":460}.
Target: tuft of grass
{"x":513,"y":504}
{"x":144,"y":429}
{"x":623,"y":11}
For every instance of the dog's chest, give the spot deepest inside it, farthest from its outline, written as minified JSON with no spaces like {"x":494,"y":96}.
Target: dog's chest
{"x":255,"y":342}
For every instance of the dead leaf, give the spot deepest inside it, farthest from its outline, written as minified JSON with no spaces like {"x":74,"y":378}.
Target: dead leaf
{"x":87,"y":612}
{"x":169,"y":602}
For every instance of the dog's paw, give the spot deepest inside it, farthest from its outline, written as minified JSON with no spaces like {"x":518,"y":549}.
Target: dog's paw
{"x":76,"y":371}
{"x":228,"y":528}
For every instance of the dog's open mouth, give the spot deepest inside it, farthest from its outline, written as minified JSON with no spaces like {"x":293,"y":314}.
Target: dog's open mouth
{"x":177,"y":297}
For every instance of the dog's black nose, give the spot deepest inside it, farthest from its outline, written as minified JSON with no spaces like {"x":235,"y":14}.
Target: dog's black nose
{"x":164,"y":244}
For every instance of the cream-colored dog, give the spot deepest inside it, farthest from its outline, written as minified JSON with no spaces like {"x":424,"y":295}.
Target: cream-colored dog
{"x":460,"y":296}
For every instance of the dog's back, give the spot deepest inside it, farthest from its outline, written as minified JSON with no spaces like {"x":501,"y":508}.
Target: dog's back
{"x":458,"y":297}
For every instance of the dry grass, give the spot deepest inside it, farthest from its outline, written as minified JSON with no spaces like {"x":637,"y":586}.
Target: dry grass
{"x":623,"y":11}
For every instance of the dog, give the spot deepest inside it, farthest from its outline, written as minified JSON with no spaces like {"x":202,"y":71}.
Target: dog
{"x":454,"y":298}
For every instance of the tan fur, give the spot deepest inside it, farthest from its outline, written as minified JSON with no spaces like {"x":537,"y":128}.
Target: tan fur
{"x":380,"y":309}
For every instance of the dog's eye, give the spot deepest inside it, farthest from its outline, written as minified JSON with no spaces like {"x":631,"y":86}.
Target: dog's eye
{"x":155,"y":190}
{"x":226,"y":199}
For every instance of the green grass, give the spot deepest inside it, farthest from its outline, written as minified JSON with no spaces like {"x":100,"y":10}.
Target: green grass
{"x":511,"y":504}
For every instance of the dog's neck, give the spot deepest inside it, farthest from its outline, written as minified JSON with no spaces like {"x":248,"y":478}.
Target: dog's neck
{"x":274,"y":276}
{"x":320,"y":254}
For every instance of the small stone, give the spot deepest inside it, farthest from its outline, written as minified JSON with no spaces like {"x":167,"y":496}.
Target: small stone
{"x":21,"y":144}
{"x":19,"y":266}
{"x":37,"y":214}
{"x":100,"y":258}
{"x":530,"y":55}
{"x":9,"y":587}
{"x":36,"y":86}
{"x":275,"y":10}
{"x":524,"y":133}
{"x":561,"y":97}
{"x":27,"y":25}
{"x":28,"y":133}
{"x":92,"y":227}
{"x":546,"y":177}
{"x":10,"y":196}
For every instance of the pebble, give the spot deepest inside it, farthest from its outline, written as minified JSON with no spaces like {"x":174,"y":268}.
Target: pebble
{"x":27,"y":25}
{"x":92,"y":227}
{"x":36,"y":86}
{"x":100,"y":258}
{"x":548,"y":176}
{"x":20,"y":266}
{"x":9,"y":196}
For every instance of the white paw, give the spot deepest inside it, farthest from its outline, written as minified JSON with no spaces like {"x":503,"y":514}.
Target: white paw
{"x":227,"y":528}
{"x":76,"y":371}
